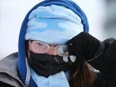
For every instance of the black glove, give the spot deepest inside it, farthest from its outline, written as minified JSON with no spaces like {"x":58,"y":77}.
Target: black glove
{"x":83,"y":45}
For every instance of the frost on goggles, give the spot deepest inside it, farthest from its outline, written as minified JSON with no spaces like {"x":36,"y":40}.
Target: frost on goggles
{"x":43,"y":47}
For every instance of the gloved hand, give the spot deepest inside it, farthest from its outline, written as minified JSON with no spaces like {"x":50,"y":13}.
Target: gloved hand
{"x":83,"y":45}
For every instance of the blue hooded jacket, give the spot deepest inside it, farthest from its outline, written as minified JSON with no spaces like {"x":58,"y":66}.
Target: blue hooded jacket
{"x":22,"y":62}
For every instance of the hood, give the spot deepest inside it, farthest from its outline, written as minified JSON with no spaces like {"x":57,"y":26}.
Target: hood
{"x":23,"y":68}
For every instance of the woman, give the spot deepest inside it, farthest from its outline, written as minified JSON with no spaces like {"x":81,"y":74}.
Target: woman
{"x":44,"y":25}
{"x":99,"y":54}
{"x":43,"y":59}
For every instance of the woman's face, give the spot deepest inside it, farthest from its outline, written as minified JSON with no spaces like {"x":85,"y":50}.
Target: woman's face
{"x":40,"y":47}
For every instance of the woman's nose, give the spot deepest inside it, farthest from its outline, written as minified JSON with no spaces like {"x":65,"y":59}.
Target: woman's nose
{"x":52,"y":51}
